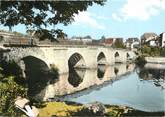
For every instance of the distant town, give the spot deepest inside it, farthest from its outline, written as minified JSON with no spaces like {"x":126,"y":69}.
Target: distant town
{"x":148,"y":38}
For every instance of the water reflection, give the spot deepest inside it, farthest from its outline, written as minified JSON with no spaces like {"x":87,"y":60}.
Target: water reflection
{"x":116,"y":70}
{"x":154,"y":73}
{"x":142,"y":89}
{"x":76,"y":76}
{"x":82,"y":79}
{"x":101,"y":71}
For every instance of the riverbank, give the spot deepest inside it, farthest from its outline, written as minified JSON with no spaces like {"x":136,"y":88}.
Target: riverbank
{"x":155,"y":60}
{"x":72,"y":109}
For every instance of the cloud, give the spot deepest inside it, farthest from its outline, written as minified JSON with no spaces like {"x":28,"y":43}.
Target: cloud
{"x":102,"y":17}
{"x":87,"y":19}
{"x":116,"y":17}
{"x":139,"y":9}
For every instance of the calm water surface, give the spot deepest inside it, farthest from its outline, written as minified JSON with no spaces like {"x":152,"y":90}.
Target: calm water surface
{"x":121,"y":84}
{"x":131,"y":91}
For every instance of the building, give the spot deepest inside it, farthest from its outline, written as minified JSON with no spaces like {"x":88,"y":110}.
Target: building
{"x":150,"y":39}
{"x":107,"y":41}
{"x":81,"y":39}
{"x":110,"y":41}
{"x":132,"y":42}
{"x":162,"y":39}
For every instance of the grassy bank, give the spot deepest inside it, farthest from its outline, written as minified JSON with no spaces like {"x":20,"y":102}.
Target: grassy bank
{"x":65,"y":109}
{"x":58,"y":109}
{"x":61,"y":109}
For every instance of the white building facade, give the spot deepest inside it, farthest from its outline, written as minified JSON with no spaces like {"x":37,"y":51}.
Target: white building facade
{"x":163,"y":40}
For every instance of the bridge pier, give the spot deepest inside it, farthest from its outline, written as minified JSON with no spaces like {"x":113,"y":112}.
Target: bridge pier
{"x":91,"y":59}
{"x":59,"y":59}
{"x":110,"y":59}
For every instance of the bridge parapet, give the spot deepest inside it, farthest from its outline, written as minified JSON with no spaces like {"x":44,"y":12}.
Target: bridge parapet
{"x":59,"y":55}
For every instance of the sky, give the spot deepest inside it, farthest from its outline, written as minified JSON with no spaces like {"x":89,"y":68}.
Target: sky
{"x":117,"y":18}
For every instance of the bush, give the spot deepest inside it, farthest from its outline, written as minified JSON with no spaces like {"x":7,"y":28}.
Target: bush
{"x":152,"y":51}
{"x":146,"y":50}
{"x":54,"y":71}
{"x":11,"y":68}
{"x":140,"y":61}
{"x":162,"y":52}
{"x":10,"y":88}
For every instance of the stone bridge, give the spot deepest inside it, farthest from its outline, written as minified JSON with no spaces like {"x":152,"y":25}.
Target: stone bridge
{"x":66,"y":57}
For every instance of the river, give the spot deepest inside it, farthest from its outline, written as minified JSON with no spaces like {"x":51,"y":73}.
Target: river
{"x":120,"y":84}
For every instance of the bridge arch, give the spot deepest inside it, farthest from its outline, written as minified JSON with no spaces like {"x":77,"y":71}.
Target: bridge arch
{"x":38,"y":74}
{"x":101,"y":59}
{"x":117,"y":54}
{"x":33,"y":63}
{"x":76,"y":60}
{"x":128,"y":56}
{"x":117,"y":57}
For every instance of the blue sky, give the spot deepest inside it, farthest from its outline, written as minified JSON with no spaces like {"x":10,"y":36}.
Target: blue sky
{"x":117,"y":18}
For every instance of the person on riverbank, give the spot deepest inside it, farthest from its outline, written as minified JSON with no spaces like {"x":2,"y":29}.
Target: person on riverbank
{"x":22,"y":104}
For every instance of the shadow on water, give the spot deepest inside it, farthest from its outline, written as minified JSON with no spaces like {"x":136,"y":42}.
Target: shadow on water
{"x":76,"y":76}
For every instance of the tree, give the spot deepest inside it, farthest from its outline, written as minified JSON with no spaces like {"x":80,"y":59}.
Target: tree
{"x":88,"y":37}
{"x":119,"y":43}
{"x":103,"y":37}
{"x":38,"y":15}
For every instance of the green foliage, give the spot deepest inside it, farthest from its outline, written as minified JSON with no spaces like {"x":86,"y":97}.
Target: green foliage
{"x":162,"y":52}
{"x":155,"y":51}
{"x":140,"y":61}
{"x":145,"y":50}
{"x":88,"y":37}
{"x":152,"y":51}
{"x":119,"y":44}
{"x":54,"y":71}
{"x":38,"y":15}
{"x":103,"y":37}
{"x":10,"y":88}
{"x":10,"y":68}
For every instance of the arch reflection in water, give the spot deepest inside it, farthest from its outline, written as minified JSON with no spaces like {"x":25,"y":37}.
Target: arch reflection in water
{"x":116,"y":70}
{"x":143,"y":95}
{"x":101,"y":71}
{"x":86,"y":80}
{"x":76,"y":76}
